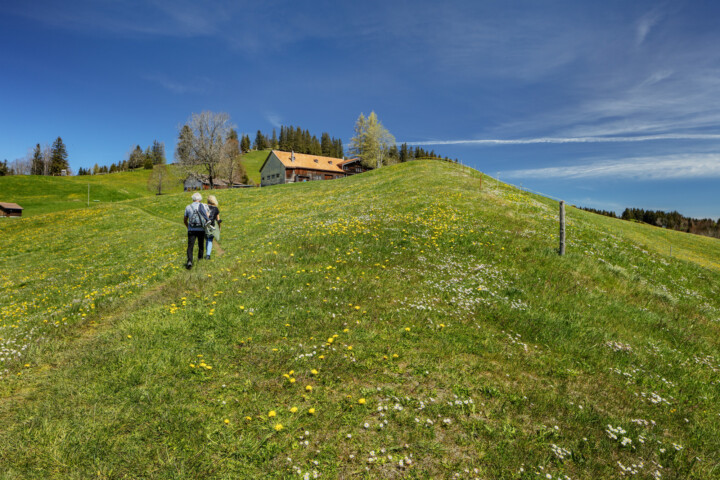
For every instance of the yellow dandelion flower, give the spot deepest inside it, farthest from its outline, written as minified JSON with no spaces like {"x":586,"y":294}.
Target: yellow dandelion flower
{"x":308,"y":388}
{"x":314,"y":372}
{"x":311,"y":411}
{"x":292,"y":380}
{"x":361,"y":401}
{"x":278,"y":427}
{"x":271,"y":413}
{"x":293,"y":410}
{"x":227,"y":421}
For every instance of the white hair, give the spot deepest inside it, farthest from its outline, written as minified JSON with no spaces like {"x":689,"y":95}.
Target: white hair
{"x":196,"y":197}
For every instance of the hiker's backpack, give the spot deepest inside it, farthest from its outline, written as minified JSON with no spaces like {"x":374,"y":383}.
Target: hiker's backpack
{"x":196,"y":221}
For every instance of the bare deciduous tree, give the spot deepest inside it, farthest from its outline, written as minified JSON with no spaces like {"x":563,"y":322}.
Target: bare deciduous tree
{"x":202,"y":143}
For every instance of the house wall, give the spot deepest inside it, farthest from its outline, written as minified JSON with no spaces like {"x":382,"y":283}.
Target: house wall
{"x":10,"y":213}
{"x":273,"y":172}
{"x":192,"y":184}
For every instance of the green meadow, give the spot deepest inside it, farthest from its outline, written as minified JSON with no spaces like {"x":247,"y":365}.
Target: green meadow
{"x":42,"y":194}
{"x":411,"y":322}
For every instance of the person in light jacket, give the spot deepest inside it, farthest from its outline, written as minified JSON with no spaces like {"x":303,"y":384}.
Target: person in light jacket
{"x":195,"y":216}
{"x":214,"y":217}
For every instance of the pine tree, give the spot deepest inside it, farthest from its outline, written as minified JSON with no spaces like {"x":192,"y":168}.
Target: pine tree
{"x":338,"y":148}
{"x":58,"y":157}
{"x":184,"y":145}
{"x":3,"y":168}
{"x":260,"y":141}
{"x":274,"y":140}
{"x":158,"y":153}
{"x":404,"y":152}
{"x":245,"y":144}
{"x":38,"y":165}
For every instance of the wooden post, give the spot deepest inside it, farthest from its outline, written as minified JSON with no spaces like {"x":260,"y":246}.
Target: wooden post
{"x":562,"y":227}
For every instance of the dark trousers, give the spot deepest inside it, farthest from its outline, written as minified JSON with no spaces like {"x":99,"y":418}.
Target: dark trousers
{"x":200,"y":237}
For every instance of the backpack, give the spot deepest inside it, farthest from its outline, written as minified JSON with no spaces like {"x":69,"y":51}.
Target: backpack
{"x":198,"y":219}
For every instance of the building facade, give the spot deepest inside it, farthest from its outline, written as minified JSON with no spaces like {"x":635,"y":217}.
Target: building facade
{"x":290,"y":167}
{"x":10,"y":209}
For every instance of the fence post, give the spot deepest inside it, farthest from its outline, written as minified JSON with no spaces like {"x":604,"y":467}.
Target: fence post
{"x":562,"y":227}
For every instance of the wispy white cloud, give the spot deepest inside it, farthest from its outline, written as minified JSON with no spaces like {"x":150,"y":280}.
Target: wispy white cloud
{"x":668,"y":167}
{"x":645,"y":25}
{"x":273,"y":119}
{"x":560,"y":140}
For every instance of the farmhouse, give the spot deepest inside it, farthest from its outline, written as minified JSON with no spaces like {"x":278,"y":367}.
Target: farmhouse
{"x":352,"y":166}
{"x":202,"y":182}
{"x":10,"y":210}
{"x":289,"y":167}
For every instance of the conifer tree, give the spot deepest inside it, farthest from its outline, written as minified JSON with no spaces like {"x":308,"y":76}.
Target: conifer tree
{"x":245,"y":144}
{"x":58,"y":157}
{"x":184,"y":145}
{"x":158,"y":153}
{"x":338,"y":148}
{"x":38,"y":164}
{"x":326,"y":145}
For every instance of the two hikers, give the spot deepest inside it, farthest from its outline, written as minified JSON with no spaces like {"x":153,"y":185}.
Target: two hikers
{"x":196,"y":217}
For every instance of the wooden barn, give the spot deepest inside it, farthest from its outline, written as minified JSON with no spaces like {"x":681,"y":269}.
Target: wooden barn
{"x":352,"y":166}
{"x":202,"y":182}
{"x":10,"y":210}
{"x":289,"y":167}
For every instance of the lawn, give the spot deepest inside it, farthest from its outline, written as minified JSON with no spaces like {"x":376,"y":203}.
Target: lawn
{"x":411,"y":322}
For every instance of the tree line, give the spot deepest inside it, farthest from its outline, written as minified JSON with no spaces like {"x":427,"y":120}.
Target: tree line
{"x":297,"y":140}
{"x":47,"y":160}
{"x":606,"y":213}
{"x":137,"y":157}
{"x":674,"y":221}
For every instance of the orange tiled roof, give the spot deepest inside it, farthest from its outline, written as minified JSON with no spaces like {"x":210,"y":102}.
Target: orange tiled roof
{"x":315,"y":162}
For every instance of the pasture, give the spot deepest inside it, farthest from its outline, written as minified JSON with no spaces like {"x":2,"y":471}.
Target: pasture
{"x":411,"y":322}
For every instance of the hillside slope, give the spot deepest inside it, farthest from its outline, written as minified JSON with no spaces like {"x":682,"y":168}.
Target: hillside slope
{"x":408,"y":322}
{"x":43,"y":194}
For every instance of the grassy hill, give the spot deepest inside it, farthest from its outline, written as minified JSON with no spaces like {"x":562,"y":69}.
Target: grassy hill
{"x":410,"y":322}
{"x":42,"y":194}
{"x":252,"y":161}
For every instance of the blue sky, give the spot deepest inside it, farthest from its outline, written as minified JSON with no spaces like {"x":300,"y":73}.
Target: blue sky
{"x":603,"y":104}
